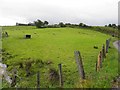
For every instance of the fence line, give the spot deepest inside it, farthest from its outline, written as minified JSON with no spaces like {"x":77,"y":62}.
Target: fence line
{"x":102,"y":55}
{"x":78,"y":58}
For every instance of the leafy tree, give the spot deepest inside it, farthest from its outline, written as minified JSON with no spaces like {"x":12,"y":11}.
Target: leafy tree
{"x":61,"y":24}
{"x":39,"y":23}
{"x":46,"y":23}
{"x":81,"y":24}
{"x":114,"y":25}
{"x":109,"y":25}
{"x":67,"y":24}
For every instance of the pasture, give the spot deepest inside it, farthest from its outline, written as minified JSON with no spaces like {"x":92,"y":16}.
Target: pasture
{"x":48,"y":47}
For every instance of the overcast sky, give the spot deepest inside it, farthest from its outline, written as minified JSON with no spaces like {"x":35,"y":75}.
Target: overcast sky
{"x":91,"y":12}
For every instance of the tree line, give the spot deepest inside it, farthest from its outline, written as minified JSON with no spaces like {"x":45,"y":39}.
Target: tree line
{"x":45,"y":24}
{"x":111,"y":25}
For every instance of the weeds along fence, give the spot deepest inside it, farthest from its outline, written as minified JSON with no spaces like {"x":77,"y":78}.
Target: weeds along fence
{"x":101,"y":56}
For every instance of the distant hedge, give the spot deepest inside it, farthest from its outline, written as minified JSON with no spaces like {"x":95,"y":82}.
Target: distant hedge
{"x":107,"y":30}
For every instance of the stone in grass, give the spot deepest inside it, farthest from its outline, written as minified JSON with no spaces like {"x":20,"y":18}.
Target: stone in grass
{"x":6,"y":34}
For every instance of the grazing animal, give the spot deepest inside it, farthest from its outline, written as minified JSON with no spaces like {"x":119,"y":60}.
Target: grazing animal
{"x":96,"y":47}
{"x":28,"y":36}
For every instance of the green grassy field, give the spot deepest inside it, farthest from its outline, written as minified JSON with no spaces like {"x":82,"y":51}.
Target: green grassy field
{"x":57,"y":45}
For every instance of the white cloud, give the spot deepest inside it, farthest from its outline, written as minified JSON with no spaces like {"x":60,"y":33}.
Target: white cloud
{"x":92,"y":12}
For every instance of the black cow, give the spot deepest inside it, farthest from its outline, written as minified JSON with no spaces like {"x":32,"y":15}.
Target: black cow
{"x":28,"y":36}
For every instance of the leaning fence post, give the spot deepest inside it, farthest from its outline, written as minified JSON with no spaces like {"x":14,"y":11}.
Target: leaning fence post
{"x":38,"y":80}
{"x":79,"y":64}
{"x":60,"y":75}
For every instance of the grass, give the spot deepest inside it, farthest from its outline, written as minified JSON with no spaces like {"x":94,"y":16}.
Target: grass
{"x":57,"y":45}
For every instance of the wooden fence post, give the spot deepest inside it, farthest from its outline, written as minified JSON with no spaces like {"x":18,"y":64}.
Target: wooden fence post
{"x":101,"y":59}
{"x":60,"y":75}
{"x":98,"y":63}
{"x":109,"y":42}
{"x":103,"y":51}
{"x":96,"y":66}
{"x":79,"y":64}
{"x":107,"y":45}
{"x":14,"y":77}
{"x":38,"y":80}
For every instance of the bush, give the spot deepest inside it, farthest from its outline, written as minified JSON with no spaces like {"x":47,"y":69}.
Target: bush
{"x":39,"y":23}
